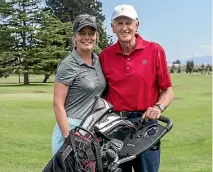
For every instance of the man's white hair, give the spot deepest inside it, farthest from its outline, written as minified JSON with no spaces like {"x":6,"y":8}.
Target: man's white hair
{"x":135,"y":20}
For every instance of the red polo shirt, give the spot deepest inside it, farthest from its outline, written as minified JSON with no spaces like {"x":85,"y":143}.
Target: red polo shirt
{"x":135,"y":80}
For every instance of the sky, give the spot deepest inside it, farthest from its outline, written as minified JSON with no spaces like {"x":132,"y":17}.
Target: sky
{"x":182,"y":27}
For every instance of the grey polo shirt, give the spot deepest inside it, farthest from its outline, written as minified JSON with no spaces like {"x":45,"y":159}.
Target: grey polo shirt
{"x":84,"y":81}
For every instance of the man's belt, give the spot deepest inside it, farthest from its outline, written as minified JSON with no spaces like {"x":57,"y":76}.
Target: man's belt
{"x":125,"y":114}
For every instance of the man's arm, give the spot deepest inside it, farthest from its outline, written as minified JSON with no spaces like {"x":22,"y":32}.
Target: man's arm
{"x":165,"y":98}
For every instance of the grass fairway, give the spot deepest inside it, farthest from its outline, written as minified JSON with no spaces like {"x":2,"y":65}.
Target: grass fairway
{"x":27,"y":120}
{"x":187,"y":148}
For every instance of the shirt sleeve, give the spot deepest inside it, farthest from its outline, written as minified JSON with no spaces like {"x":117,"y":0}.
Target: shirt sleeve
{"x":64,"y":74}
{"x":163,"y":75}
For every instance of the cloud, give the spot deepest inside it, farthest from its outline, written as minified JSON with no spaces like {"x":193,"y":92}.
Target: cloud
{"x":206,"y":46}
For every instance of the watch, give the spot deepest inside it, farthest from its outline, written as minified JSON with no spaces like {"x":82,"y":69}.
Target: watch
{"x":161,"y":107}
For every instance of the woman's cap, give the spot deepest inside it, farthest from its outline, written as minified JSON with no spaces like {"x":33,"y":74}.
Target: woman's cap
{"x":84,"y":20}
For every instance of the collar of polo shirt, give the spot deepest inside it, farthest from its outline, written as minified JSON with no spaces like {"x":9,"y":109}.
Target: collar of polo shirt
{"x":79,"y":60}
{"x":140,"y":44}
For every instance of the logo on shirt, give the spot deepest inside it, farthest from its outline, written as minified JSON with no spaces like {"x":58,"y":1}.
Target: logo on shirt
{"x":144,"y":62}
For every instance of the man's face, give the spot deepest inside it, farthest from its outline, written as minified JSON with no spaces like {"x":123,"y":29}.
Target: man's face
{"x":125,"y":28}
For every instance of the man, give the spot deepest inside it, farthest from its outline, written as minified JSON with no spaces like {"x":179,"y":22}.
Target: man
{"x":139,"y":84}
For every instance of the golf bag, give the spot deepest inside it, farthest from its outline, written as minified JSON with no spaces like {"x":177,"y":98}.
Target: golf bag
{"x":96,"y":145}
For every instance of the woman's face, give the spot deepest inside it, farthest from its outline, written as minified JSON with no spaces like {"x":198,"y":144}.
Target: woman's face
{"x":85,"y":38}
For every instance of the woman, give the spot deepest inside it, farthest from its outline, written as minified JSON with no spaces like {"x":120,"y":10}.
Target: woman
{"x":79,"y":79}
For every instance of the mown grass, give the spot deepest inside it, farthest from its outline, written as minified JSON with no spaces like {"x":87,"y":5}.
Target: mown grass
{"x":27,"y":120}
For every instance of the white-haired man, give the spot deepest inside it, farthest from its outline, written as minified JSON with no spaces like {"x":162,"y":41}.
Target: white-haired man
{"x":139,"y":84}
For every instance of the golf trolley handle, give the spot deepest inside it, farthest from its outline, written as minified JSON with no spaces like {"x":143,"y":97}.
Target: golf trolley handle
{"x":81,"y":128}
{"x":167,"y":121}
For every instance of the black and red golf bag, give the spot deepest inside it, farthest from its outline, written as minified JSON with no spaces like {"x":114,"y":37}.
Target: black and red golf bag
{"x":96,"y":145}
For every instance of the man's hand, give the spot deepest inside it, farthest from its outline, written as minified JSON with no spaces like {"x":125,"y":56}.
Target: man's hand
{"x":152,"y":113}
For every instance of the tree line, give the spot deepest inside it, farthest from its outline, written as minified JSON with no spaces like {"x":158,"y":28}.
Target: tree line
{"x":35,"y":37}
{"x":190,"y":67}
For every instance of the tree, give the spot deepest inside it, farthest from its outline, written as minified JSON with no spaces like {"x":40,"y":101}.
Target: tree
{"x":176,"y":66}
{"x":7,"y":41}
{"x":37,"y":41}
{"x":68,"y":10}
{"x":176,"y":62}
{"x":179,"y":69}
{"x":21,"y":23}
{"x":202,"y":69}
{"x":54,"y":38}
{"x":5,"y":47}
{"x":172,"y":70}
{"x":189,"y":66}
{"x":208,"y":68}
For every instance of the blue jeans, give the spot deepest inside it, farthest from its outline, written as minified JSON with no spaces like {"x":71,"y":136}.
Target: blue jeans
{"x":148,"y":161}
{"x":57,"y":138}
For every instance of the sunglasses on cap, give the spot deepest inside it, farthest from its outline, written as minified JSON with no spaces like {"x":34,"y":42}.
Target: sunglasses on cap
{"x":87,"y":17}
{"x":84,"y":20}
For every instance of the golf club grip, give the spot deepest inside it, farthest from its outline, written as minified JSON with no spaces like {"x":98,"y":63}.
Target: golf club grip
{"x":167,"y":121}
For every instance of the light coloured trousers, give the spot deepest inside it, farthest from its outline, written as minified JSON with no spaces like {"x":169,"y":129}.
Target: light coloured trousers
{"x":57,"y":138}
